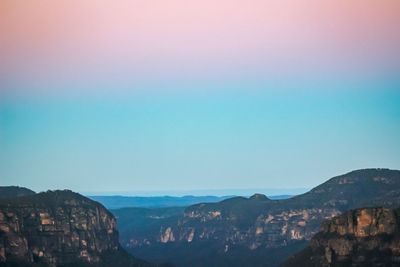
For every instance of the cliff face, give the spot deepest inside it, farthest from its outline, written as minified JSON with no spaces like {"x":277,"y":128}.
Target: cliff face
{"x":250,"y":227}
{"x":271,"y":227}
{"x":56,"y":228}
{"x":362,"y":237}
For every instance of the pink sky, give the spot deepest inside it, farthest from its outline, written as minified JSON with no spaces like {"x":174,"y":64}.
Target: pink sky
{"x":143,"y":39}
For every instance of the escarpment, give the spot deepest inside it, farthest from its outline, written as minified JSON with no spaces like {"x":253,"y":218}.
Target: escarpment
{"x":58,"y":228}
{"x":259,"y":230}
{"x":362,"y":237}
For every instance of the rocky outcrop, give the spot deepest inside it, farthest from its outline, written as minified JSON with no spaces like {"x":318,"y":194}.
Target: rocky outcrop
{"x":57,"y":228}
{"x":246,"y":226}
{"x":362,"y":237}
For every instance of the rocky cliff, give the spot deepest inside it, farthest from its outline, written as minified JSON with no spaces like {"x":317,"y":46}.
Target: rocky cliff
{"x":58,"y":228}
{"x":362,"y":237}
{"x":259,"y":230}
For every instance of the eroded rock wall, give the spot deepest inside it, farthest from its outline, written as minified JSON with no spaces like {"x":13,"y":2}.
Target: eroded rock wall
{"x":55,"y":228}
{"x":362,"y":237}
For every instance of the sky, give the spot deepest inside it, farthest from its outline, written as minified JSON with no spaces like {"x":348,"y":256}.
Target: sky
{"x":196,"y":96}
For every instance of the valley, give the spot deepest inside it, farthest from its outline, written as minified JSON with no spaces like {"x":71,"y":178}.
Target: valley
{"x":335,"y":223}
{"x":255,"y":229}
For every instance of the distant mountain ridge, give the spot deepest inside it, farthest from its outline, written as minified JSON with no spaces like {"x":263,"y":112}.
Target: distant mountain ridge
{"x":116,"y":202}
{"x":15,"y":191}
{"x":119,"y":202}
{"x":258,"y":231}
{"x":59,"y":228}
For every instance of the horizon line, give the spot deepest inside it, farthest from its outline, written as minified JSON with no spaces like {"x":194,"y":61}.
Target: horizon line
{"x":200,"y":192}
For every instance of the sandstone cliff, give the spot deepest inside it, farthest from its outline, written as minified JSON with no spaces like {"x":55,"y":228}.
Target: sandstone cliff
{"x":58,"y":228}
{"x":259,"y":230}
{"x":362,"y":237}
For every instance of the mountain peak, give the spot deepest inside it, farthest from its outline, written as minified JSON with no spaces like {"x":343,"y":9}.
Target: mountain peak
{"x":259,"y":197}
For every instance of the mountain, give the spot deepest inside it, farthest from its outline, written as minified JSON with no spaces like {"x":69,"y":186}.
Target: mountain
{"x":15,"y":191}
{"x":258,"y":231}
{"x":59,"y":228}
{"x":116,"y":202}
{"x":357,"y":238}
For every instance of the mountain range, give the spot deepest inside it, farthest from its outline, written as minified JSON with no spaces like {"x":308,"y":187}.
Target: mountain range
{"x":117,"y":202}
{"x":350,"y":220}
{"x":254,"y":231}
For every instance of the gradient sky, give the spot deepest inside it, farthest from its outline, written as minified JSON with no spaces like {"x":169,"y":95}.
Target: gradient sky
{"x":175,"y":95}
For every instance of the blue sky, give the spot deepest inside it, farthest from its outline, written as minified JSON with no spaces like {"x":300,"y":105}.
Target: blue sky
{"x":237,"y":137}
{"x":197,"y":96}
